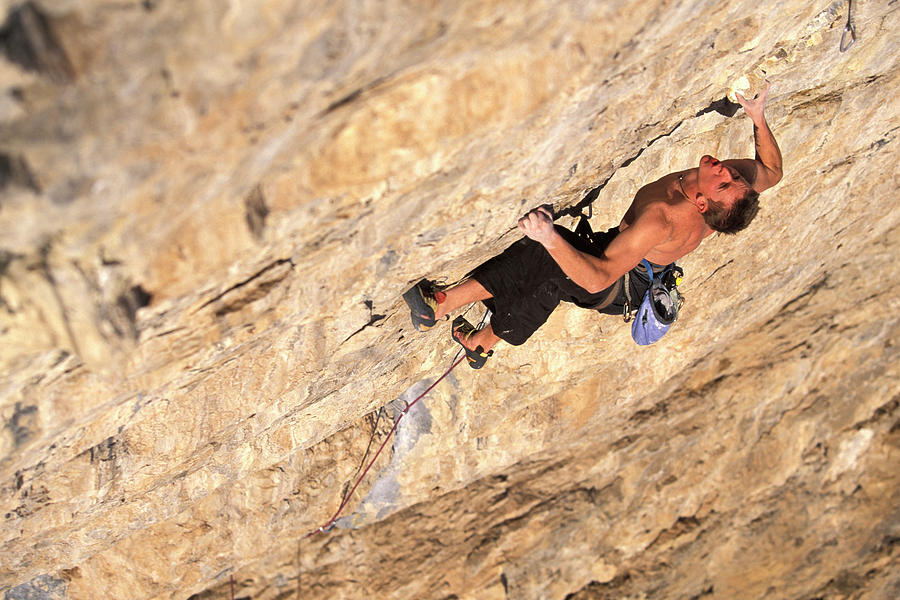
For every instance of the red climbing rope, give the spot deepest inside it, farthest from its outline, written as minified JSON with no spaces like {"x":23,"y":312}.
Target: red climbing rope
{"x":331,"y":521}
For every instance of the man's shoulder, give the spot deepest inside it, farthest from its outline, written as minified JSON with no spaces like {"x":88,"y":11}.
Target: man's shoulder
{"x":673,"y":214}
{"x":662,"y":205}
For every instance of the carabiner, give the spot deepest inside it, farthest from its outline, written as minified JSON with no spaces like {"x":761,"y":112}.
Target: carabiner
{"x":848,"y":29}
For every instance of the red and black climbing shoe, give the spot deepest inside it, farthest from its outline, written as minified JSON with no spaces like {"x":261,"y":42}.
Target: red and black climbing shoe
{"x":422,"y":300}
{"x":461,"y":331}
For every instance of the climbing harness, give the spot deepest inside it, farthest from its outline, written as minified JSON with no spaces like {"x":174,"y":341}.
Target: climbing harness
{"x":664,"y":293}
{"x":849,"y":29}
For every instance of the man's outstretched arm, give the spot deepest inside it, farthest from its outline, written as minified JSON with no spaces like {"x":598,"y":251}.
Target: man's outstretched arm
{"x":594,"y":273}
{"x":768,"y":155}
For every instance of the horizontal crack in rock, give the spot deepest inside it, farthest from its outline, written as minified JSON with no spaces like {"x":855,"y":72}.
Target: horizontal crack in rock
{"x":255,"y":293}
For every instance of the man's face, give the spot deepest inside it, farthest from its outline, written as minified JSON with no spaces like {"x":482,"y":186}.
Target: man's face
{"x":720,"y":183}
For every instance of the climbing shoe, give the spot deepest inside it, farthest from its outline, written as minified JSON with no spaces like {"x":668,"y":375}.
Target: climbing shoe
{"x":461,"y":331}
{"x":422,"y":300}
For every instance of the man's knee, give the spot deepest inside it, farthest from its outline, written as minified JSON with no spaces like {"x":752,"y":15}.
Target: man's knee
{"x":514,"y":335}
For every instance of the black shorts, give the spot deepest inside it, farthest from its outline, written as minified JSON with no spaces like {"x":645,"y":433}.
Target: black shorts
{"x":526,"y":285}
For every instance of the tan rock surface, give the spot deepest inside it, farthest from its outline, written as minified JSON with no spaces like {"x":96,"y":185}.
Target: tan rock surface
{"x":209,"y":210}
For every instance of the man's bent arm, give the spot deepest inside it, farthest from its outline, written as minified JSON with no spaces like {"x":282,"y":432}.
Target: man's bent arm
{"x":768,"y":154}
{"x":592,"y":273}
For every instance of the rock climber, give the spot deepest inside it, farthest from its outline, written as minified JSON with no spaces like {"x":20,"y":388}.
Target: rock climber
{"x":667,"y":219}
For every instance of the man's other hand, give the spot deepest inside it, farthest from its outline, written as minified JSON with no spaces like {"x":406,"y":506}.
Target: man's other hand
{"x":755,"y":108}
{"x":538,"y":225}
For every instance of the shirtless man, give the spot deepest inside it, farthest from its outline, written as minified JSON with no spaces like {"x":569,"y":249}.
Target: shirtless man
{"x":666,"y":220}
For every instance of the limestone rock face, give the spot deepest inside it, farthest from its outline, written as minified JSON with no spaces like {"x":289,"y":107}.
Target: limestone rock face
{"x":209,"y":211}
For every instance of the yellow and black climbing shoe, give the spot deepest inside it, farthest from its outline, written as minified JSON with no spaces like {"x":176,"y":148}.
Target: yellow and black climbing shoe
{"x":461,"y":331}
{"x":422,"y":300}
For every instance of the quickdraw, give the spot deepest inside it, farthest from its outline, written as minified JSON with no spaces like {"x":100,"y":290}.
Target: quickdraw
{"x":848,"y":29}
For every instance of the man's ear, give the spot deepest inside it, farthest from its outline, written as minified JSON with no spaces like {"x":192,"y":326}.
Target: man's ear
{"x":701,"y":203}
